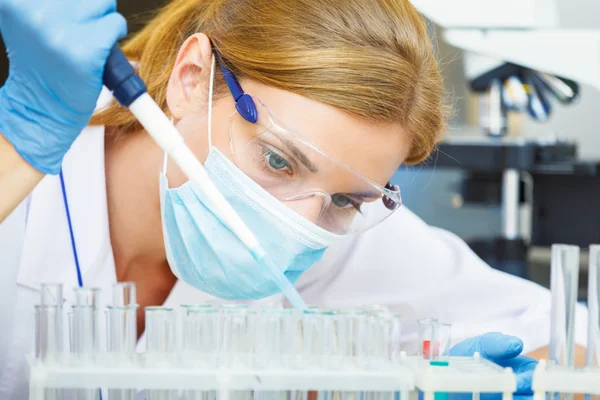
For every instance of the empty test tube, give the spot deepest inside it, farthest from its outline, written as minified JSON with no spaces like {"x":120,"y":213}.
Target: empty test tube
{"x":237,"y":324}
{"x":350,"y":328}
{"x":199,"y":342}
{"x":160,"y":330}
{"x":434,"y":338}
{"x":49,"y":330}
{"x":275,"y":338}
{"x":84,"y":336}
{"x":296,"y":349}
{"x":51,"y":294}
{"x":593,"y":346}
{"x":319,"y":338}
{"x":376,"y":338}
{"x":122,"y":329}
{"x":395,"y":338}
{"x":49,"y":323}
{"x":122,"y":332}
{"x":319,"y":341}
{"x":124,"y":294}
{"x":377,"y":334}
{"x":160,"y":345}
{"x":236,"y":330}
{"x":564,"y":276}
{"x":200,"y":334}
{"x":87,"y":297}
{"x":84,"y":344}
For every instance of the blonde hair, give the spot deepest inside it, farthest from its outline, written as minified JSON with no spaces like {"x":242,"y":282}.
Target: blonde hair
{"x":370,"y":58}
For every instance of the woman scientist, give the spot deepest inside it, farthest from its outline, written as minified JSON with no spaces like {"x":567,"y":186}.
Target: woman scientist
{"x":344,"y":92}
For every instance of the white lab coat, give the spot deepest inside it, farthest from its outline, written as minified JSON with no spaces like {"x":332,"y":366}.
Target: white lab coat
{"x":417,"y":270}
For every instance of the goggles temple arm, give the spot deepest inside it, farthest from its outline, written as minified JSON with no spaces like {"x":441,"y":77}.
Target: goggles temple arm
{"x":244,"y":104}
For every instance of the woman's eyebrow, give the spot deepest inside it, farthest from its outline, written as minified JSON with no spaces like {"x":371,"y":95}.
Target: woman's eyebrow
{"x":299,"y":154}
{"x":312,"y":168}
{"x":366,"y":195}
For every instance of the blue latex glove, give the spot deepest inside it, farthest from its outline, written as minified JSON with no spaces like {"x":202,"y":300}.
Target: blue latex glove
{"x":57,"y":51}
{"x":505,"y":351}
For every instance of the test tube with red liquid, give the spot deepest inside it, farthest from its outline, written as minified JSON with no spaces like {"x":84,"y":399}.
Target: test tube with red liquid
{"x":434,"y":338}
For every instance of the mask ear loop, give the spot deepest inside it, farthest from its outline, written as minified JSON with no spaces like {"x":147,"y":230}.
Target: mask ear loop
{"x":210,"y":96}
{"x":210,"y":99}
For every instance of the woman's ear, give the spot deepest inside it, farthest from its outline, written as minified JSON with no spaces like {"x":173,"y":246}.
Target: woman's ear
{"x":188,"y":84}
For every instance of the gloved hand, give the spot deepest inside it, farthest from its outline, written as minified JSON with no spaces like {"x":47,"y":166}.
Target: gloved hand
{"x":57,"y":51}
{"x":505,"y":351}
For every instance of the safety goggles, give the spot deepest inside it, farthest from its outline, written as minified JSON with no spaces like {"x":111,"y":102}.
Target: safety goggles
{"x":293,"y":169}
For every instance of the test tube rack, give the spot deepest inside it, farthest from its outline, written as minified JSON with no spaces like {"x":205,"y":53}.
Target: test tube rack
{"x":450,"y":374}
{"x":203,"y":349}
{"x":548,"y":378}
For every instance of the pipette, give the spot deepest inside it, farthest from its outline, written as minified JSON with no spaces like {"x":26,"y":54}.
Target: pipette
{"x":130,"y":91}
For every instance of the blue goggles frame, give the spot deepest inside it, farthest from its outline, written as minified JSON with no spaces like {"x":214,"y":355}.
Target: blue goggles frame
{"x":244,"y":104}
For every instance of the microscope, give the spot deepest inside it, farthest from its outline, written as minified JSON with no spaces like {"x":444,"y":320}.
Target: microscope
{"x":518,"y":60}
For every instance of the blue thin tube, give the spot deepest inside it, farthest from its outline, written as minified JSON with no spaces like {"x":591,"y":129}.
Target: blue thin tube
{"x":73,"y":245}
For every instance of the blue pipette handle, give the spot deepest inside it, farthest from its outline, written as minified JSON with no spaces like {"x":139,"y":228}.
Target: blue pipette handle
{"x":121,"y":78}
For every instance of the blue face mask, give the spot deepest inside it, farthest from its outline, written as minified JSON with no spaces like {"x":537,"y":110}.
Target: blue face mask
{"x":204,"y":253}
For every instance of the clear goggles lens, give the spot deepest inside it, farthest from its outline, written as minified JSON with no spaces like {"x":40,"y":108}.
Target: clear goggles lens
{"x":295,"y":171}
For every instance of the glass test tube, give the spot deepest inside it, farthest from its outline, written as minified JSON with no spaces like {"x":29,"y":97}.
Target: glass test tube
{"x":160,"y":345}
{"x":122,"y":332}
{"x":319,"y":338}
{"x":87,"y":297}
{"x":593,"y":346}
{"x":160,"y":330}
{"x":236,"y":329}
{"x":124,"y":294}
{"x":564,"y":276}
{"x":351,"y":347}
{"x":49,"y":330}
{"x":85,"y":335}
{"x":319,"y":344}
{"x":49,"y":323}
{"x":237,"y":323}
{"x":395,"y":338}
{"x":377,"y":331}
{"x":51,"y":294}
{"x":199,"y":342}
{"x":275,"y":338}
{"x":83,"y":332}
{"x":84,"y":344}
{"x":200,"y":334}
{"x":434,"y":338}
{"x":296,"y":352}
{"x":122,"y":329}
{"x":350,"y":332}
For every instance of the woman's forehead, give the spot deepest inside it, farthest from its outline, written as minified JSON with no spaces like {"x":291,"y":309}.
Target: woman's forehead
{"x":373,"y":149}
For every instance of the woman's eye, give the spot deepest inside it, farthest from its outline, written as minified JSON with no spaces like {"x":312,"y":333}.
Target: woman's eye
{"x":276,"y":161}
{"x":343,"y":201}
